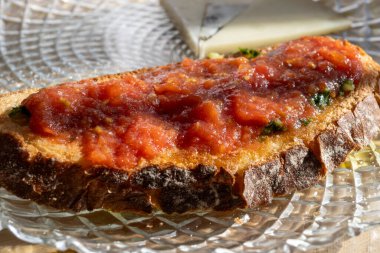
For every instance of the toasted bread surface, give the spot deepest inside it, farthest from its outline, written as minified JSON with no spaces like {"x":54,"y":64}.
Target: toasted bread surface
{"x":56,"y":174}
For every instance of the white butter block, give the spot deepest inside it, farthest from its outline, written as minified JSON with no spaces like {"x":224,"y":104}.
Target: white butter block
{"x":264,"y":23}
{"x":271,"y":21}
{"x":188,"y":16}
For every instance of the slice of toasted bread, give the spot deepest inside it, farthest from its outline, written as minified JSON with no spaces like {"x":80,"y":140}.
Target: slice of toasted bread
{"x":55,"y":174}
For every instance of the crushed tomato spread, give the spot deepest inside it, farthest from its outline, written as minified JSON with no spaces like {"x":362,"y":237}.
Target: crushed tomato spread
{"x":209,"y":105}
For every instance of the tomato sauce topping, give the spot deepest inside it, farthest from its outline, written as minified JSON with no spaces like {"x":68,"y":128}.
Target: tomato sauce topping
{"x":209,"y":105}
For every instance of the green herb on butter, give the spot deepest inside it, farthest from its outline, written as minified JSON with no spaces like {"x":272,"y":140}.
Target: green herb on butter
{"x":321,"y":99}
{"x":274,"y":126}
{"x":249,"y":53}
{"x":20,"y":115}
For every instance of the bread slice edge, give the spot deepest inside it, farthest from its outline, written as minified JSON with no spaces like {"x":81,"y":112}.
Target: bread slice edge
{"x":70,"y":186}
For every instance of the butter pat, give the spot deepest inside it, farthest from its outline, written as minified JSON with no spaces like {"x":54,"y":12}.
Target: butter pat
{"x":189,"y":16}
{"x":271,"y":21}
{"x":264,"y":23}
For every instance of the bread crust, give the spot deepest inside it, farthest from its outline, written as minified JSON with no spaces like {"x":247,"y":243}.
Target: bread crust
{"x":69,"y":186}
{"x":183,"y":183}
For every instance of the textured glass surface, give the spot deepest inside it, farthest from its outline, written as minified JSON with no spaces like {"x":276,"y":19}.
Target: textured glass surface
{"x":44,"y":42}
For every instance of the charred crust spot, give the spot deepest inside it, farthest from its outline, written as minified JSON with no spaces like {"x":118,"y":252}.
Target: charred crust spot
{"x":13,"y":166}
{"x":367,"y":113}
{"x":106,"y":175}
{"x":297,"y":168}
{"x":227,"y":197}
{"x":350,"y":125}
{"x":175,"y":176}
{"x":148,"y":178}
{"x":128,"y":200}
{"x":260,"y":181}
{"x":204,"y":172}
{"x":334,"y":146}
{"x":258,"y":188}
{"x":181,"y":199}
{"x":153,"y":177}
{"x":224,"y":177}
{"x":181,"y":189}
{"x":275,"y":172}
{"x":302,"y":168}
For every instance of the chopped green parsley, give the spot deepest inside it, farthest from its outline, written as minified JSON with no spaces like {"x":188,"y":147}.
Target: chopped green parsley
{"x":274,"y":126}
{"x":321,"y":99}
{"x":249,"y":53}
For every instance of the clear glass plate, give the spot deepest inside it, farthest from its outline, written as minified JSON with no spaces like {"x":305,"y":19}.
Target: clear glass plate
{"x":44,"y":42}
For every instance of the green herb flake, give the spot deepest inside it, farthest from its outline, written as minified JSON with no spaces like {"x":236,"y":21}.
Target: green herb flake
{"x":321,"y":99}
{"x":347,"y":86}
{"x":305,"y":121}
{"x":249,"y":53}
{"x":19,"y":114}
{"x":274,"y":126}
